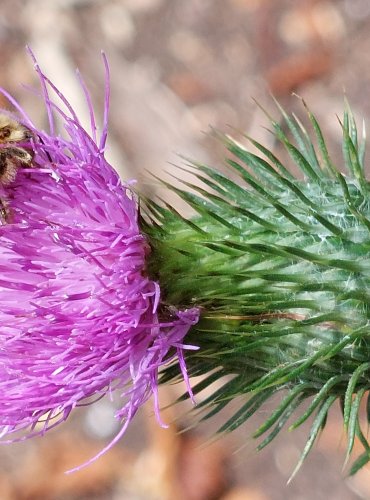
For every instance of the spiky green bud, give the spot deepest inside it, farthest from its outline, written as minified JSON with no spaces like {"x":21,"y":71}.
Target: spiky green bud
{"x":280,"y":268}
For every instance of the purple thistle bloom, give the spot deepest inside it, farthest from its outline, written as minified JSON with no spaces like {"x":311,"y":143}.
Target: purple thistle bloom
{"x":78,"y":313}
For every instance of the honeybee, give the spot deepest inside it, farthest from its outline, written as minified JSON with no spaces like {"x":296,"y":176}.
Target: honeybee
{"x":12,"y":157}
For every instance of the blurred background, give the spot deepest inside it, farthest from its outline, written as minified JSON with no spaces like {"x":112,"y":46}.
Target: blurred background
{"x":179,"y":67}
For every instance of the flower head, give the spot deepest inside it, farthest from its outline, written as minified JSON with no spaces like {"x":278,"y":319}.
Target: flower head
{"x":78,"y":313}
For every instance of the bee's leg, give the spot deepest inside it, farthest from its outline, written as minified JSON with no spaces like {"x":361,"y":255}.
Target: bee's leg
{"x":19,"y":156}
{"x":3,"y":163}
{"x":8,"y":167}
{"x":4,"y":212}
{"x":46,"y":152}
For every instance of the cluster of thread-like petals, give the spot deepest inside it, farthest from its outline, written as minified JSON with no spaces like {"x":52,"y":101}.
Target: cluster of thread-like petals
{"x":78,"y":315}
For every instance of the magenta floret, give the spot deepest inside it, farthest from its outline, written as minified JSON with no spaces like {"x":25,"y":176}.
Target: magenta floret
{"x":78,"y":313}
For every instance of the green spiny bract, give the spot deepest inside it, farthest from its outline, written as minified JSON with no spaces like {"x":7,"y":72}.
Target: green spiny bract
{"x":280,"y":268}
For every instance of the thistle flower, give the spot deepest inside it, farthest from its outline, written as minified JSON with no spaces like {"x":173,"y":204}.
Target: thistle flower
{"x":277,"y":265}
{"x":79,"y":315}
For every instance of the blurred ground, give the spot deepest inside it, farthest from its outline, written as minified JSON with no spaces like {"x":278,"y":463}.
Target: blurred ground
{"x":177,"y":67}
